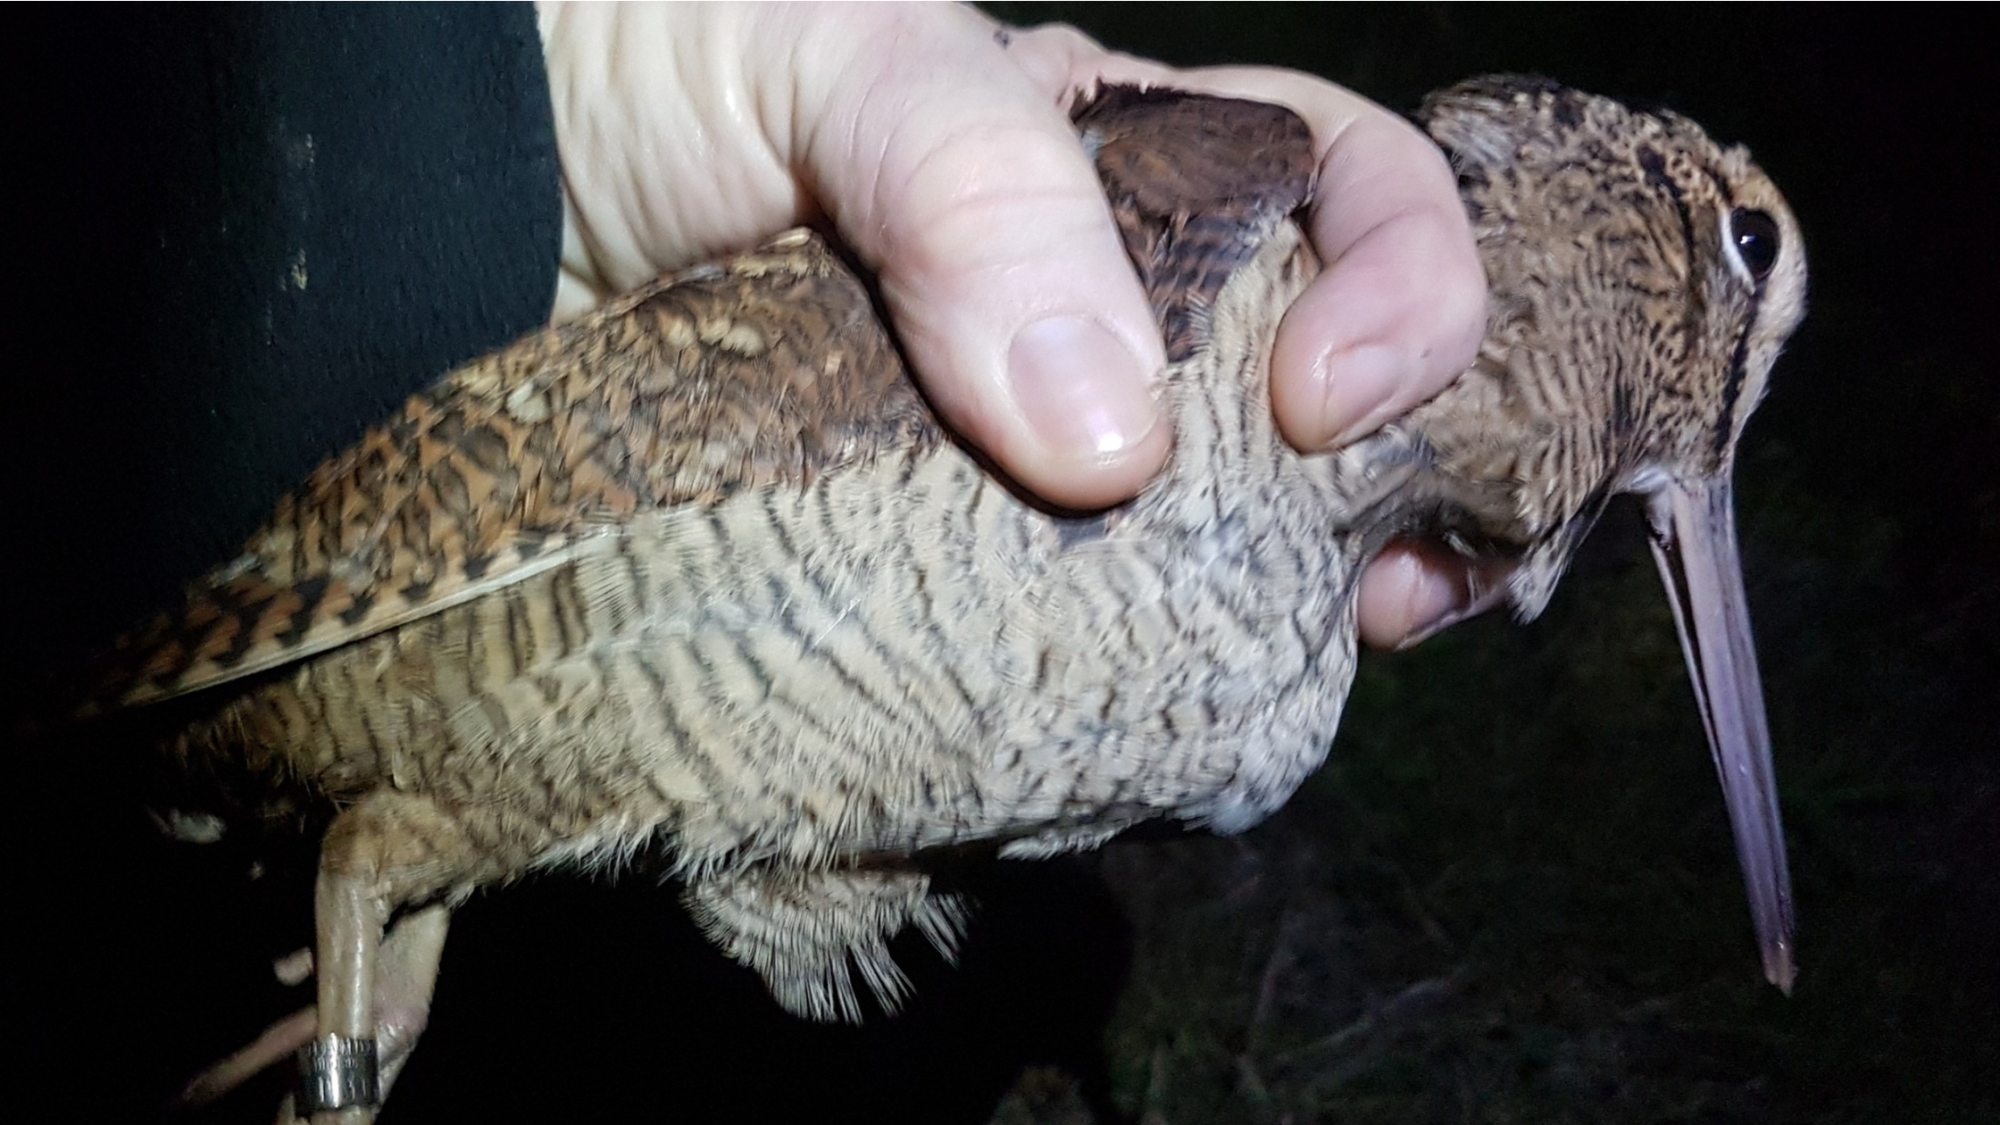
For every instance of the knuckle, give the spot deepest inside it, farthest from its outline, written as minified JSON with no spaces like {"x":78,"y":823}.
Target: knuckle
{"x":984,"y":195}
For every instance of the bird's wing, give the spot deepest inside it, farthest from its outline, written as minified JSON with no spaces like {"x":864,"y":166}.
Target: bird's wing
{"x":768,"y":368}
{"x":1196,"y":184}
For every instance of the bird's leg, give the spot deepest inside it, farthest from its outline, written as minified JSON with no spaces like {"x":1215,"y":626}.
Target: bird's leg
{"x":406,"y":974}
{"x":388,"y":850}
{"x":405,"y":977}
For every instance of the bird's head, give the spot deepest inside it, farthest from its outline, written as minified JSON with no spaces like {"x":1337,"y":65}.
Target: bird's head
{"x":1644,"y":280}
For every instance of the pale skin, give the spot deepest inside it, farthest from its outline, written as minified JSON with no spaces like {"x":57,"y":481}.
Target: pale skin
{"x":937,"y":144}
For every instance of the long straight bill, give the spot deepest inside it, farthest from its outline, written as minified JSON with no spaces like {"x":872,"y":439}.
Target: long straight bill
{"x":1694,"y":542}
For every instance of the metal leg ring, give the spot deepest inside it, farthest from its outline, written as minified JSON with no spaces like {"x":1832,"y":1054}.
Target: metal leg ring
{"x":336,"y":1072}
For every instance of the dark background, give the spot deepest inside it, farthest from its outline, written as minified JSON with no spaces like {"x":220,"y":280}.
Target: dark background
{"x":1511,"y":894}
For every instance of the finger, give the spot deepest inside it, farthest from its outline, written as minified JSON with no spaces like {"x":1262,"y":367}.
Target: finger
{"x":1401,"y":307}
{"x":1414,"y":589}
{"x":961,"y":182}
{"x":671,"y":148}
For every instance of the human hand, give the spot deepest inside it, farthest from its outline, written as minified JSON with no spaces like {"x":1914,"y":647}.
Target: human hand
{"x":938,"y":145}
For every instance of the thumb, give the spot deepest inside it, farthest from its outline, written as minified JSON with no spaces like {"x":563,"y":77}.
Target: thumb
{"x":962,"y":184}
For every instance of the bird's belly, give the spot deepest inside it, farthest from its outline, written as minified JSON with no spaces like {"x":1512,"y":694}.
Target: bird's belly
{"x":888,"y":660}
{"x":948,"y":665}
{"x":1198,"y":694}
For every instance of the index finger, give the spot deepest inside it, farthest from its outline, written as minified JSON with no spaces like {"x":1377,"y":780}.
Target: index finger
{"x":1400,"y":309}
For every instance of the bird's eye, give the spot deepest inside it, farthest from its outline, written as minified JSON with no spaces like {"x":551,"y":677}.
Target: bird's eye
{"x":1754,"y":237}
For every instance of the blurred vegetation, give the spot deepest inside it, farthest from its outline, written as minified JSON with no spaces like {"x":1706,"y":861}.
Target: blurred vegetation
{"x":1510,"y":896}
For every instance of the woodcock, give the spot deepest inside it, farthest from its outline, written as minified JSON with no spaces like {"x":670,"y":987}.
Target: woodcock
{"x":702,"y":570}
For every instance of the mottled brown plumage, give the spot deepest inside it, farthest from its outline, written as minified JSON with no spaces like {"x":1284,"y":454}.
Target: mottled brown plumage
{"x":702,"y":569}
{"x":766,"y":369}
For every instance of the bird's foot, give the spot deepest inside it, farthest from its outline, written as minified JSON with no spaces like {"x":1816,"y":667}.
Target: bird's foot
{"x":334,"y":1078}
